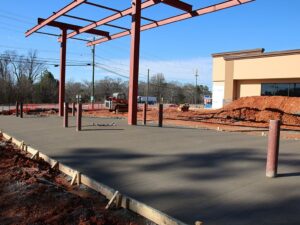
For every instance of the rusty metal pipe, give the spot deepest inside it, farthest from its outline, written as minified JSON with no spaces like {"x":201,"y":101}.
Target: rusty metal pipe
{"x":21,"y":109}
{"x":66,"y":114}
{"x":145,"y":114}
{"x":273,"y":148}
{"x":160,"y":115}
{"x":17,"y":109}
{"x":79,"y":117}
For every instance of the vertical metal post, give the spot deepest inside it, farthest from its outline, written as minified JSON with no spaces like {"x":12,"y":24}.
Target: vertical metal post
{"x":17,"y":109}
{"x":148,"y":79}
{"x":79,"y":117}
{"x":63,"y":54}
{"x":160,"y":115}
{"x":134,"y":61}
{"x":145,"y":113}
{"x":93,"y":76}
{"x":196,"y":90}
{"x":73,"y":109}
{"x":273,"y":148}
{"x":66,"y":115}
{"x":21,"y":109}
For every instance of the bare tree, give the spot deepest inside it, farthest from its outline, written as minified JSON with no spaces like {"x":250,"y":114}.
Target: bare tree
{"x":26,"y":67}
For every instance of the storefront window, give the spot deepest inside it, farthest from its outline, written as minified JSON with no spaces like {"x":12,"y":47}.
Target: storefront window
{"x":283,"y":89}
{"x":267,"y":89}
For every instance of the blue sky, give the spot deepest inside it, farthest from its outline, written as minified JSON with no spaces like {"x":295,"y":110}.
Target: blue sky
{"x":176,"y":50}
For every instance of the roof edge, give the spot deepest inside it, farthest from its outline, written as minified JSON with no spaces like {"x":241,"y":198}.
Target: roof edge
{"x":268,"y":54}
{"x":240,"y":52}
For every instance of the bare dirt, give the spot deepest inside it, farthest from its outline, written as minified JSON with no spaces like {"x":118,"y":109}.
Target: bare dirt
{"x":32,"y":193}
{"x":249,"y":115}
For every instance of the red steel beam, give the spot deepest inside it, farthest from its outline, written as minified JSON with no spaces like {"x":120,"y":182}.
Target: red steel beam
{"x":57,"y":35}
{"x":113,"y":17}
{"x":134,"y":62}
{"x":93,"y":21}
{"x":61,"y":12}
{"x":178,"y":4}
{"x":198,"y":12}
{"x":73,"y":27}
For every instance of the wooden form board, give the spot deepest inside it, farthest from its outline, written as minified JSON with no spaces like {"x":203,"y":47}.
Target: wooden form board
{"x":131,"y":204}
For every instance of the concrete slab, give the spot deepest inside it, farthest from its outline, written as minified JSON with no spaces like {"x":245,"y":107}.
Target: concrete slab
{"x":191,"y":174}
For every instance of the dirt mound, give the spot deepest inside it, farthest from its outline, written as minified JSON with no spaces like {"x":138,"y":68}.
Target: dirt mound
{"x":262,"y":109}
{"x":287,"y":105}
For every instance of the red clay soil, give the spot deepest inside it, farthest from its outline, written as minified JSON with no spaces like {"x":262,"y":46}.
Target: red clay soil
{"x":248,"y":111}
{"x":32,"y":193}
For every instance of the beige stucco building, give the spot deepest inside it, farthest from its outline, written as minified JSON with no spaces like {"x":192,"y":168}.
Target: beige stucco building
{"x":255,"y":73}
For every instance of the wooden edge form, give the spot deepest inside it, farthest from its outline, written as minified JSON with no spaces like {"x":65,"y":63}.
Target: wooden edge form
{"x":74,"y":178}
{"x":126,"y":202}
{"x":114,"y":197}
{"x":55,"y":165}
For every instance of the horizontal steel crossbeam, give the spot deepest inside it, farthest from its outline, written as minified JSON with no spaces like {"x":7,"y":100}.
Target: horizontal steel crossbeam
{"x":73,"y":27}
{"x":198,"y":12}
{"x":56,"y":15}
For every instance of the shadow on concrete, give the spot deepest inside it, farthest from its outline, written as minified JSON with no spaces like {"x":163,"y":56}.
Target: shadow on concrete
{"x":133,"y":174}
{"x":296,"y":174}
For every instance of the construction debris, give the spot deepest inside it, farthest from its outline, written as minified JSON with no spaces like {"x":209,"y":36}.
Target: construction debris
{"x":184,"y":107}
{"x":105,"y":124}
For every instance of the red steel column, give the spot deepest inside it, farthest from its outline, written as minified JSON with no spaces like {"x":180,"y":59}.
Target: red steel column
{"x":66,"y":115}
{"x":79,"y":116}
{"x":145,"y":113}
{"x":134,"y":62}
{"x":63,"y":53}
{"x":160,"y":115}
{"x":273,"y":148}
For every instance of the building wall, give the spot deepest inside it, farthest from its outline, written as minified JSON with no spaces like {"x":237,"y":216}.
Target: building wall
{"x":248,"y":88}
{"x":218,"y":69}
{"x":218,"y":94}
{"x":286,"y":66}
{"x":253,"y":87}
{"x":241,"y":74}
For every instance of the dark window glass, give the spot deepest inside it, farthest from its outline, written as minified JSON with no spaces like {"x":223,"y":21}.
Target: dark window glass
{"x":281,"y":90}
{"x":295,"y":90}
{"x":267,"y":89}
{"x":292,"y":89}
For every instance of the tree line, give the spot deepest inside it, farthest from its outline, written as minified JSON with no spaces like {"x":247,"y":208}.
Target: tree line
{"x":26,"y":78}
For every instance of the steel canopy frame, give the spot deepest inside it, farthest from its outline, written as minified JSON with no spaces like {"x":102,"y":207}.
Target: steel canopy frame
{"x":135,"y":12}
{"x":194,"y":13}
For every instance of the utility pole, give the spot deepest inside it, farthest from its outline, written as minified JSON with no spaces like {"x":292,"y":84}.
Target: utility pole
{"x":196,"y":94}
{"x":93,"y":76}
{"x":148,"y":78}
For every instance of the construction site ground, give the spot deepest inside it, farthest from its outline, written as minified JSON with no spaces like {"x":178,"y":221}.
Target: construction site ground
{"x":191,"y":174}
{"x":33,"y":193}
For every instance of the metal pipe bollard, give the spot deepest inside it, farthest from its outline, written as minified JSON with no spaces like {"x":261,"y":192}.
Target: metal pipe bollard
{"x":160,"y":115}
{"x":73,"y":109}
{"x":273,"y":148}
{"x":17,"y":109}
{"x":145,"y":113}
{"x":66,"y":114}
{"x":79,"y":117}
{"x":21,"y":109}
